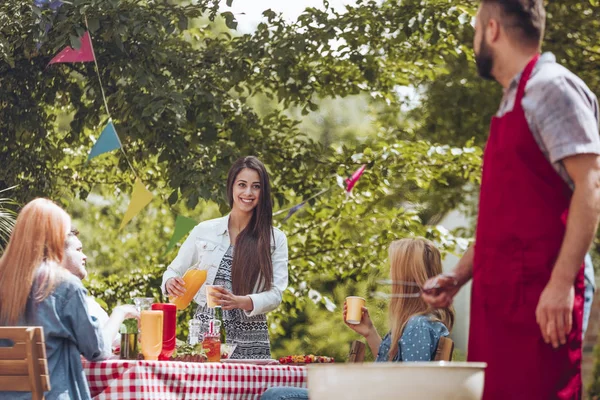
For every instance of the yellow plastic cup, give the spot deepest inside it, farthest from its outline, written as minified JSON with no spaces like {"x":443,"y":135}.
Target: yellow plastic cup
{"x":354,"y":306}
{"x":210,"y":301}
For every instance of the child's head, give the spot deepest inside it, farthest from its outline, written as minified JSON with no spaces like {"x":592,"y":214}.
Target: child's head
{"x":413,"y":260}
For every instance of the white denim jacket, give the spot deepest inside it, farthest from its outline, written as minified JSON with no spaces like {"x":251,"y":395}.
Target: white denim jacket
{"x":205,"y":247}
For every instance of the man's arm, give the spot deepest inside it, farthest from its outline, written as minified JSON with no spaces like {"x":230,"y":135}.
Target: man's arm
{"x":110,"y":330}
{"x":554,"y":310}
{"x":440,"y":290}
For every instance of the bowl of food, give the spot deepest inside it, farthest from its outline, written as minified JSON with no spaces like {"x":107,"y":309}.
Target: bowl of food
{"x":414,"y":380}
{"x":227,"y":349}
{"x":304,"y":359}
{"x":189,"y":353}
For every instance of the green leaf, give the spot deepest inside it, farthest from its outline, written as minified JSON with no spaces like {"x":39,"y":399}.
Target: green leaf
{"x":117,"y":40}
{"x":182,"y":23}
{"x":75,"y":41}
{"x":129,"y":325}
{"x":173,"y":197}
{"x":93,"y":24}
{"x":230,"y":20}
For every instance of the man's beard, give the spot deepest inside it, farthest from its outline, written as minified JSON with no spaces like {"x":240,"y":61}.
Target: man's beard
{"x":485,"y":61}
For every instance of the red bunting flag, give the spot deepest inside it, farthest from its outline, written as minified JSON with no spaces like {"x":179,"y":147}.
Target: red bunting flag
{"x":350,"y":182}
{"x":69,"y":54}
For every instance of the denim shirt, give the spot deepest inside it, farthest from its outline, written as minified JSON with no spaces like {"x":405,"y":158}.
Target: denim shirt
{"x":69,"y":332}
{"x":418,"y":341}
{"x":205,"y":247}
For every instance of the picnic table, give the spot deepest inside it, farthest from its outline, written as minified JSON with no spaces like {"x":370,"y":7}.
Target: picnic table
{"x":131,"y":379}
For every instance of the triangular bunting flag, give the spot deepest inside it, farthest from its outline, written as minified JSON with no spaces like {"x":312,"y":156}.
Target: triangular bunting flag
{"x":182,"y":226}
{"x":108,"y":141}
{"x":69,"y":54}
{"x":53,"y":4}
{"x":293,"y":210}
{"x":354,"y":178}
{"x":140,"y":197}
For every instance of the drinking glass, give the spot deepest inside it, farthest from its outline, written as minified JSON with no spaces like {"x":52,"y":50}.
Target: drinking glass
{"x":143,"y":303}
{"x":210,"y":301}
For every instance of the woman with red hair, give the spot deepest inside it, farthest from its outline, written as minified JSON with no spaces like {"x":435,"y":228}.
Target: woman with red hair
{"x":35,"y":290}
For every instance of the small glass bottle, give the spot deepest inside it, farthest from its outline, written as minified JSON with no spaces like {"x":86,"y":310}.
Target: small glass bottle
{"x":195,"y":332}
{"x":219,"y":317}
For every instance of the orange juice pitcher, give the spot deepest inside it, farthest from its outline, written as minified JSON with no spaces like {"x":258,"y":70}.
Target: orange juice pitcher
{"x":194,"y":279}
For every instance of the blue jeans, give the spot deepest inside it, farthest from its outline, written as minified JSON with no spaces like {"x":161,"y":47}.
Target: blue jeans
{"x":284,"y":393}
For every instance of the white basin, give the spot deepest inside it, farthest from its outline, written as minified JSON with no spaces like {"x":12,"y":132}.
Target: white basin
{"x":406,"y":381}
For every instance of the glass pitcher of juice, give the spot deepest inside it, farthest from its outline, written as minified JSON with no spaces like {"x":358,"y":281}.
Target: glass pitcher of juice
{"x":194,"y":279}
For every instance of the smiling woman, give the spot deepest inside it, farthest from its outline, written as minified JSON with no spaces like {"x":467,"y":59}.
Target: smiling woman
{"x":245,"y":259}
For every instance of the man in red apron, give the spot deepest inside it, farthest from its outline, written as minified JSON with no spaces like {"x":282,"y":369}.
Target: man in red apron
{"x":538,"y":213}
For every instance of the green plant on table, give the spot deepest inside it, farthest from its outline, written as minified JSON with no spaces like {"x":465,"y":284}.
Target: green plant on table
{"x":189,"y":352}
{"x":130,"y":325}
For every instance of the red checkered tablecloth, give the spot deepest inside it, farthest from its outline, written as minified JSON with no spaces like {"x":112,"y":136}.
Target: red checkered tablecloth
{"x":125,"y":380}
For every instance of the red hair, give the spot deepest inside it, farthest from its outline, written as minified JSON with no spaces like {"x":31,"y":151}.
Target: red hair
{"x":38,"y":238}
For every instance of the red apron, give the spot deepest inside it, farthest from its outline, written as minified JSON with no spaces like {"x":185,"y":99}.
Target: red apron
{"x":519,"y":234}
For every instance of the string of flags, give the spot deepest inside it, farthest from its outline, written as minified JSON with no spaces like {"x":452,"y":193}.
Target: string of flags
{"x":291,"y":211}
{"x":349,"y":185}
{"x":109,"y":141}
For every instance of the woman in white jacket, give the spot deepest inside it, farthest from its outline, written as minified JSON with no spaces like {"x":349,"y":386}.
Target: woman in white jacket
{"x":245,"y":254}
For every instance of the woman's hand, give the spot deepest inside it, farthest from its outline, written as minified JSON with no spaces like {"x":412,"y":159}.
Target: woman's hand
{"x":229,"y":301}
{"x":365,"y":327}
{"x":175,"y":287}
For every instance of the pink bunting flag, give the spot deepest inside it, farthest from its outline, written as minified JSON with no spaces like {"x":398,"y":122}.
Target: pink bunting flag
{"x":69,"y":54}
{"x":350,"y":182}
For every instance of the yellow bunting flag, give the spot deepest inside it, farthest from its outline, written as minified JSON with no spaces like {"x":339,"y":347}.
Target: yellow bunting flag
{"x":139,"y":199}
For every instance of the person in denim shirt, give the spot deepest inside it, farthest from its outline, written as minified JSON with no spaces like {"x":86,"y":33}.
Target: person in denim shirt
{"x":418,"y":342}
{"x":415,"y":328}
{"x":37,"y":291}
{"x":75,"y":262}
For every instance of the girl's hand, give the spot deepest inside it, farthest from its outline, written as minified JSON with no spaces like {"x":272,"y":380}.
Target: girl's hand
{"x":365,"y":327}
{"x":229,"y":301}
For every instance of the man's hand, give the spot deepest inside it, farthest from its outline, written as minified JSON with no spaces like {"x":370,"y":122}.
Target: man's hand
{"x":554,"y":313}
{"x":555,"y":307}
{"x":126,"y":311}
{"x":440,"y":290}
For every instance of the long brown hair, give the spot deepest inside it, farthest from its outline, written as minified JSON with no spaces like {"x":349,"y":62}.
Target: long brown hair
{"x":413,"y":260}
{"x":36,"y":246}
{"x":252,"y":255}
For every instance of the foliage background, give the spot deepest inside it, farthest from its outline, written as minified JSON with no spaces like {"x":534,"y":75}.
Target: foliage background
{"x":313,"y":98}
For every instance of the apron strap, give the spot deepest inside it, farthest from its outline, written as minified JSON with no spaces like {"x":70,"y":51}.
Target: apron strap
{"x":524,"y":78}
